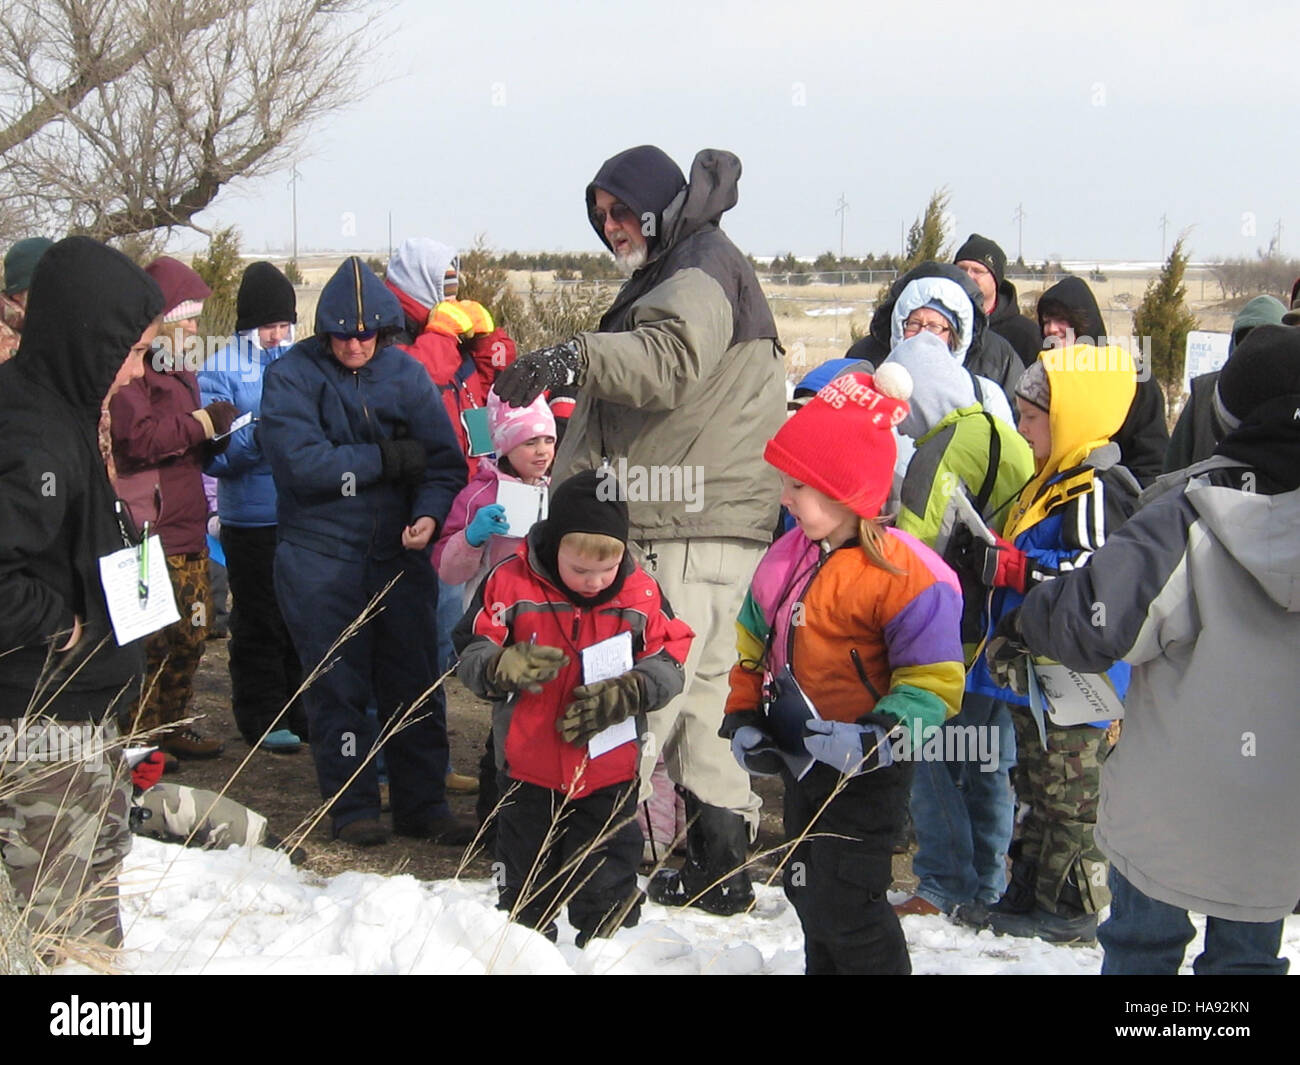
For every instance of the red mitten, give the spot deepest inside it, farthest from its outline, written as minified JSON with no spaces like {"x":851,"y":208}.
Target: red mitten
{"x":148,"y":771}
{"x":1012,"y":567}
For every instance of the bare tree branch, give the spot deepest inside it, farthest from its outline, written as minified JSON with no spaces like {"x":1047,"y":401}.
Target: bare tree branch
{"x":132,"y":115}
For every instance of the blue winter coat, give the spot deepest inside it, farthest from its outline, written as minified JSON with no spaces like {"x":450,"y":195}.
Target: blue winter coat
{"x":322,"y":423}
{"x":245,"y":487}
{"x":1062,"y":542}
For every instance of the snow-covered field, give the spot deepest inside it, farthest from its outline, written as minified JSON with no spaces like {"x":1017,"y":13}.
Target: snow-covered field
{"x":249,"y":911}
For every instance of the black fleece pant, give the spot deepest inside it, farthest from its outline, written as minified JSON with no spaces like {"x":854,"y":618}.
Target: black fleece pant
{"x":583,"y":852}
{"x":264,"y":667}
{"x":838,"y":876}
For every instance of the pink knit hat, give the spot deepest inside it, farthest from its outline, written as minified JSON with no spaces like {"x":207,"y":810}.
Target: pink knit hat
{"x":511,"y":426}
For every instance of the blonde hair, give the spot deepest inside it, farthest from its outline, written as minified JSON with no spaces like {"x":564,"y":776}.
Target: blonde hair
{"x":871,"y":534}
{"x":596,"y":546}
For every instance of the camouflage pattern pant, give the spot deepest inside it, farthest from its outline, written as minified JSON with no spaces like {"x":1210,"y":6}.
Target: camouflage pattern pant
{"x":197,"y":818}
{"x":63,"y":835}
{"x":1061,"y":785}
{"x":172,"y":654}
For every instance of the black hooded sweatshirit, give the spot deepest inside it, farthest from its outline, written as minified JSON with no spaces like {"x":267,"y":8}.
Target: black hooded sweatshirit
{"x":88,"y":305}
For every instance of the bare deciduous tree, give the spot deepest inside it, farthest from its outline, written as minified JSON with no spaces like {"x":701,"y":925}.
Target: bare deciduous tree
{"x":119,"y":117}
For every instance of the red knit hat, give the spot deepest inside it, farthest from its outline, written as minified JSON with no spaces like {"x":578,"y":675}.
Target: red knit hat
{"x":183,"y":290}
{"x":841,"y":443}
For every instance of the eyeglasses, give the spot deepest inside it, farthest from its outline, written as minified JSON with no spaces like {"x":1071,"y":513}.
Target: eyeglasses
{"x":620,"y":212}
{"x":912,"y":327}
{"x":367,"y":334}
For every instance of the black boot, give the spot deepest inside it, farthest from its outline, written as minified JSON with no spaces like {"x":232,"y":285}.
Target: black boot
{"x":1070,"y":922}
{"x":1020,"y":894}
{"x":717,"y":842}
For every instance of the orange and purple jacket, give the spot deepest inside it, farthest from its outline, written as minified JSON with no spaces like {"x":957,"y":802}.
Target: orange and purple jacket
{"x":857,"y":638}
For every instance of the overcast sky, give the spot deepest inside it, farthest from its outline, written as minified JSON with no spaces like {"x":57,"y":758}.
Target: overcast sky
{"x":1098,"y":118}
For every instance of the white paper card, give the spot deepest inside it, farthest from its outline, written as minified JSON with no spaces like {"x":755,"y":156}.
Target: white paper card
{"x":133,"y":616}
{"x":604,"y":661}
{"x":526,"y":504}
{"x":236,"y":425}
{"x":1077,"y":698}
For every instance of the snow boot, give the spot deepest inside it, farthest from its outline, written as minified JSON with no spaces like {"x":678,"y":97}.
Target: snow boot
{"x":712,"y":878}
{"x":1020,"y":894}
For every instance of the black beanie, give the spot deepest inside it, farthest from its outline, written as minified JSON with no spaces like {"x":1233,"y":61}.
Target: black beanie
{"x":645,"y":178}
{"x":588,"y":502}
{"x":1265,"y":365}
{"x":265,"y":296}
{"x":982,"y":250}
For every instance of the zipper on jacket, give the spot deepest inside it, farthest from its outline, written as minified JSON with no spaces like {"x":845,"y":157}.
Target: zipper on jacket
{"x":823,"y":555}
{"x":862,"y":673}
{"x":356,"y":277}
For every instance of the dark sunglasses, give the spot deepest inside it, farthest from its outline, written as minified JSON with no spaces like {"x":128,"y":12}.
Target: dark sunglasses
{"x":368,"y":334}
{"x":620,"y":212}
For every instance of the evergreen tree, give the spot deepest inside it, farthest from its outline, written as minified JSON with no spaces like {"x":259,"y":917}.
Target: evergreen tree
{"x":221,"y":268}
{"x":926,"y":238}
{"x":1164,"y":318}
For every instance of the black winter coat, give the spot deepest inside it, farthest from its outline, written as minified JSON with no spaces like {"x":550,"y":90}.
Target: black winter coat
{"x":88,"y":305}
{"x":1013,"y":327}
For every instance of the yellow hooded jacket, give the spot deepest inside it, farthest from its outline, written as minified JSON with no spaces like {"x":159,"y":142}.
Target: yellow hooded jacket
{"x":1092,"y":389}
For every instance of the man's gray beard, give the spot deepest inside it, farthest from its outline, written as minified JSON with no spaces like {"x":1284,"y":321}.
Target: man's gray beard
{"x":630,"y":262}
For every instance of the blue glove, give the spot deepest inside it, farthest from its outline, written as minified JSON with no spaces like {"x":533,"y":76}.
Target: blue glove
{"x":488,"y":522}
{"x":851,"y":749}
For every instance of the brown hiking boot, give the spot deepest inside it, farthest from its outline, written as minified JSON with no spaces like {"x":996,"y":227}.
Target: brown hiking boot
{"x":186,"y":742}
{"x":915,"y":906}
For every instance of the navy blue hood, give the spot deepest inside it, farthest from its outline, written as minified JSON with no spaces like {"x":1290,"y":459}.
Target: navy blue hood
{"x":354,"y":300}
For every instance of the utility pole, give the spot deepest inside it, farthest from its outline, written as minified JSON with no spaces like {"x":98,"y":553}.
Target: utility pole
{"x":1277,"y":239}
{"x":842,"y":209}
{"x":1019,"y":219}
{"x":390,"y":236}
{"x":293,"y":192}
{"x":1164,"y":226}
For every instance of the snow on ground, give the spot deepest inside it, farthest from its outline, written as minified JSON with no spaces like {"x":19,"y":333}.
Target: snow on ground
{"x":249,"y":911}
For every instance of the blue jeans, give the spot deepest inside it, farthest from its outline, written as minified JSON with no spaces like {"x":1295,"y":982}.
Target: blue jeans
{"x":964,"y":816}
{"x":450,"y":609}
{"x":1145,"y":937}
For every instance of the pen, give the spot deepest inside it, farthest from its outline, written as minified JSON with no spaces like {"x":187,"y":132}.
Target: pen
{"x":142,"y":585}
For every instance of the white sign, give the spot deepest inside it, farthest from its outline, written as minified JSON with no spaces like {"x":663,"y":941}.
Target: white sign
{"x":1206,"y":352}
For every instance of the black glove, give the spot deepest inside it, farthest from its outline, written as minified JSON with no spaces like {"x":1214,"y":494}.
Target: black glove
{"x":972,"y":556}
{"x":597,"y":706}
{"x":404,"y":460}
{"x":1008,"y":654}
{"x":530,"y":375}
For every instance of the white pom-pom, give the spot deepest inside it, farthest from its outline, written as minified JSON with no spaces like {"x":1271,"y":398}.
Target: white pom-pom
{"x":893,"y":380}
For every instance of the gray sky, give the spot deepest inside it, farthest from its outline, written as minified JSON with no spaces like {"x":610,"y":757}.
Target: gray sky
{"x":1099,"y":118}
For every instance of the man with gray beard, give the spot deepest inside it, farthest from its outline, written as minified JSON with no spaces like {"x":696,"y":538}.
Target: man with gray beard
{"x":683,"y":373}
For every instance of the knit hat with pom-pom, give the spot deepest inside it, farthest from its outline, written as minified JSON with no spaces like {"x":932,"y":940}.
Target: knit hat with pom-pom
{"x":842,"y":442}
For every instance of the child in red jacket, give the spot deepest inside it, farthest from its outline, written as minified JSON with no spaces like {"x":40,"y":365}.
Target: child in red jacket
{"x":529,"y":642}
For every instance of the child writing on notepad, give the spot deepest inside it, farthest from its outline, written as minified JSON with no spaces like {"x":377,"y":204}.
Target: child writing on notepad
{"x":477,"y":534}
{"x":569,"y":595}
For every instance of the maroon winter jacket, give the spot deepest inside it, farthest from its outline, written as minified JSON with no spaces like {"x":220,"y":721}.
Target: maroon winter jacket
{"x":159,"y":448}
